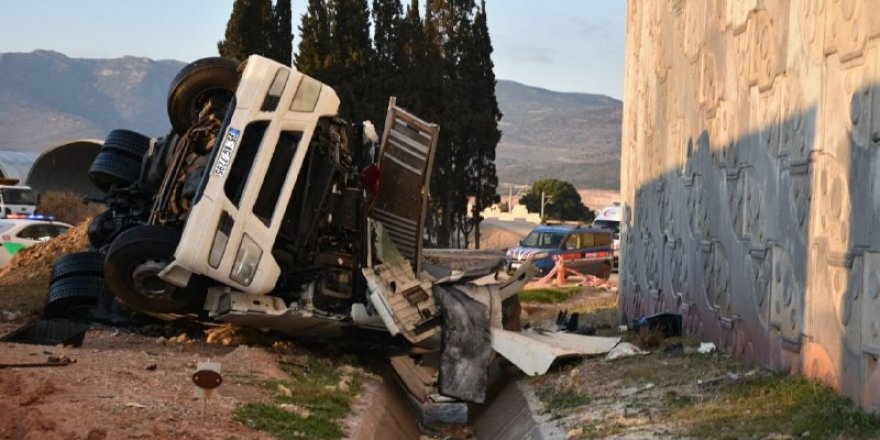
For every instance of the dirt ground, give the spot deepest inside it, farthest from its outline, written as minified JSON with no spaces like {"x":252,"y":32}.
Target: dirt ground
{"x":128,"y":383}
{"x":124,"y":385}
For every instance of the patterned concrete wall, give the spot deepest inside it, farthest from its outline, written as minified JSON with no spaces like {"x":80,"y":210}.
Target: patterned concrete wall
{"x":751,"y":178}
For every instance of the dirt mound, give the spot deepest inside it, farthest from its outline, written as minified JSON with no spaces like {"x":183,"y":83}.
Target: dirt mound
{"x":23,"y":282}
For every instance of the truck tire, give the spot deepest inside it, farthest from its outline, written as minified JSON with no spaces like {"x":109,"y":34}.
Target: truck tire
{"x":127,"y":143}
{"x":194,"y":84}
{"x":131,"y":268}
{"x":89,"y":263}
{"x":74,"y":297}
{"x":112,"y":168}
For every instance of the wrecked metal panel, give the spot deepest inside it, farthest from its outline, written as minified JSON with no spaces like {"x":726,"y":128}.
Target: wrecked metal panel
{"x":404,"y":302}
{"x":463,"y":259}
{"x":407,"y":153}
{"x":516,"y":281}
{"x":467,"y":350}
{"x":265,"y":312}
{"x":534,"y":353}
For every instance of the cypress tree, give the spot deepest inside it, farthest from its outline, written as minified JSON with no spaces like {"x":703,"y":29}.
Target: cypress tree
{"x":388,"y":56}
{"x":248,"y":30}
{"x":452,"y":21}
{"x":351,"y":53}
{"x":483,"y":127}
{"x":313,"y":56}
{"x":282,"y":39}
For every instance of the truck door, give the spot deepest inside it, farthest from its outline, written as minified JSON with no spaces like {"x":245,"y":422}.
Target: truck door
{"x":405,"y":159}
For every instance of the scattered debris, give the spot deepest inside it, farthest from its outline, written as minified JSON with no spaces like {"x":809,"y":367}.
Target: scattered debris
{"x":284,"y":391}
{"x":624,"y":349}
{"x":51,"y":361}
{"x":728,"y":377}
{"x":674,"y":350}
{"x":706,"y":347}
{"x":667,"y":323}
{"x":296,"y":409}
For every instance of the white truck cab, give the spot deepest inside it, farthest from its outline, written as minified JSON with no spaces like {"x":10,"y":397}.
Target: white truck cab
{"x":231,"y":229}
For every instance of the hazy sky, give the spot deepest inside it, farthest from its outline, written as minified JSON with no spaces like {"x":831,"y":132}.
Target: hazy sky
{"x":563,"y":45}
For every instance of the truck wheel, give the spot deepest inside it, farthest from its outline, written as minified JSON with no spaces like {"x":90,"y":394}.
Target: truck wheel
{"x":132,"y":268}
{"x":111,"y":168}
{"x":88,"y":263}
{"x":605,"y":272}
{"x":195,"y":84}
{"x":74,"y":297}
{"x":127,"y":143}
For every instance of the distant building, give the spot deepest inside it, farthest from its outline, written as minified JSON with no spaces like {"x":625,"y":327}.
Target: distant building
{"x":62,"y":168}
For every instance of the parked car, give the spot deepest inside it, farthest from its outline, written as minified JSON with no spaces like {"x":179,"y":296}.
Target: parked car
{"x":20,"y":231}
{"x":585,"y":249}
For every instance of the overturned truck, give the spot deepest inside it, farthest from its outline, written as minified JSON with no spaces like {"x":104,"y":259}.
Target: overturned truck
{"x":262,"y":208}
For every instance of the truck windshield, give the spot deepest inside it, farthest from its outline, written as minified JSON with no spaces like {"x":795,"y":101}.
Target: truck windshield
{"x":543,"y":239}
{"x":18,"y":196}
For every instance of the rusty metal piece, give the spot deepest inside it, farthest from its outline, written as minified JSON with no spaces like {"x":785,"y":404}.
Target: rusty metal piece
{"x":51,"y":361}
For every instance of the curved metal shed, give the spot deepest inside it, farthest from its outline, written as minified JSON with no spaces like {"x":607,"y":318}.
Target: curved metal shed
{"x":64,"y":168}
{"x":16,"y":164}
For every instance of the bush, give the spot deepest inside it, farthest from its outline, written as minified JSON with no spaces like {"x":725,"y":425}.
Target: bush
{"x":67,"y":207}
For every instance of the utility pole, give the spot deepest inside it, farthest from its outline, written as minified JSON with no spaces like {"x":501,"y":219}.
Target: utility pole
{"x":544,"y":201}
{"x":510,"y":197}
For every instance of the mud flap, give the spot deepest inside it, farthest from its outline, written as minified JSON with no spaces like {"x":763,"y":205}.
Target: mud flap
{"x":466,"y":345}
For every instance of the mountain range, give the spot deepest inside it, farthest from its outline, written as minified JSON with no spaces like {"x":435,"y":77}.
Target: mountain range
{"x":47,"y":98}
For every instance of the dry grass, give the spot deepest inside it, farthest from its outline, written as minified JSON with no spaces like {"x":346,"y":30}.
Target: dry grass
{"x":67,"y":207}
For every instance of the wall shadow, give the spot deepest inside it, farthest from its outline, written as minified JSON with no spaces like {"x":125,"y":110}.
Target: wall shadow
{"x":770,"y":247}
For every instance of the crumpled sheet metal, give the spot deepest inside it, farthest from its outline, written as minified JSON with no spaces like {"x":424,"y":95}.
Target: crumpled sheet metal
{"x":534,"y":352}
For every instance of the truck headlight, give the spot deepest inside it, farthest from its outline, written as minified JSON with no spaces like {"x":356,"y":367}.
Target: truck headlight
{"x":246,"y":261}
{"x":540,"y":255}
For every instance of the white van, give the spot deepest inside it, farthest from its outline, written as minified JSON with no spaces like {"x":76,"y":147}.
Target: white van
{"x":609,"y":218}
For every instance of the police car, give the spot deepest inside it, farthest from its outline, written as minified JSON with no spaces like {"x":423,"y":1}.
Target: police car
{"x":584,"y":248}
{"x":20,"y":231}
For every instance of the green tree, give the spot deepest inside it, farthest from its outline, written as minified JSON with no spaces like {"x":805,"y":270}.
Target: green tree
{"x":256,"y":27}
{"x":388,"y":58}
{"x":248,"y":30}
{"x":281,"y":43}
{"x":448,"y":23}
{"x":561,"y":198}
{"x":351,"y":51}
{"x":313,"y":56}
{"x":482,"y":128}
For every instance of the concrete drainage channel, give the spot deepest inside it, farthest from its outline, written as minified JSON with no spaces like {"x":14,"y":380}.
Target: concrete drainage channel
{"x":511,"y":414}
